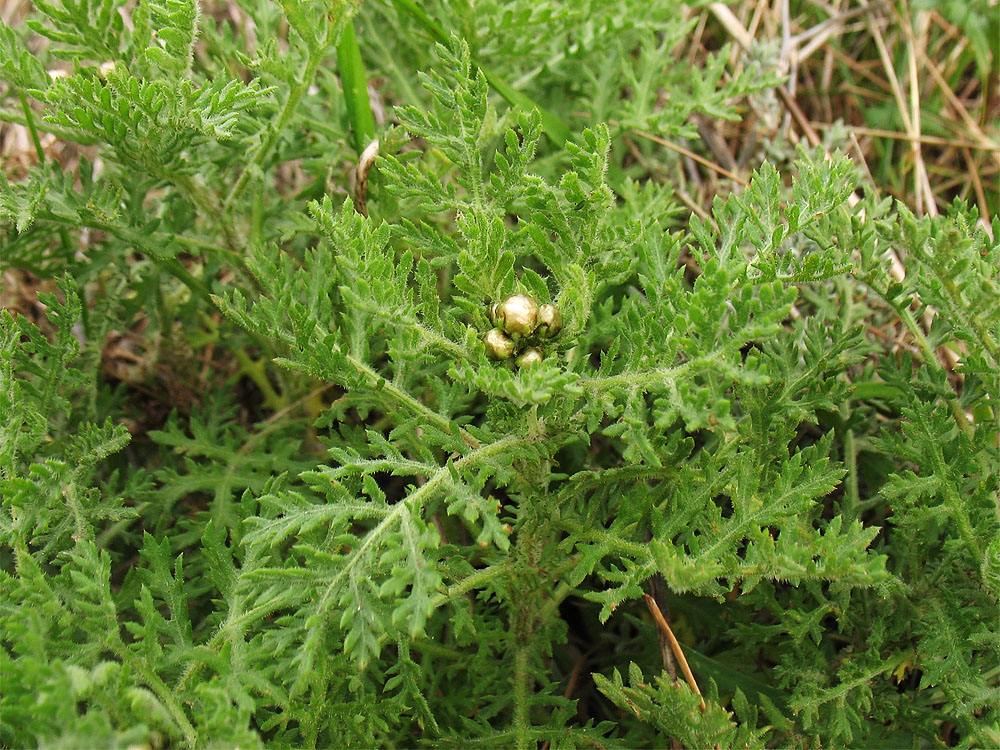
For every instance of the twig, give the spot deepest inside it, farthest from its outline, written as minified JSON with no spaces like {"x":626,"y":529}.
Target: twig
{"x":658,"y":588}
{"x":664,"y":626}
{"x":692,"y":155}
{"x":732,"y":24}
{"x":955,"y":102}
{"x":788,"y":58}
{"x":922,"y":183}
{"x":799,"y":116}
{"x":977,"y":186}
{"x":816,"y":37}
{"x":934,"y":140}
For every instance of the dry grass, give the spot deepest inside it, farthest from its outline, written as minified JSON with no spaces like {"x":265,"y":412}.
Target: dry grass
{"x":850,"y":63}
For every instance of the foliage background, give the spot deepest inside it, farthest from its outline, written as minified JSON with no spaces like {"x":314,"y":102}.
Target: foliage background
{"x":261,"y":485}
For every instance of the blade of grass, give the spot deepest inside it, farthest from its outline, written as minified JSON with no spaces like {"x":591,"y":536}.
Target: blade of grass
{"x":555,"y":128}
{"x":355,"y":84}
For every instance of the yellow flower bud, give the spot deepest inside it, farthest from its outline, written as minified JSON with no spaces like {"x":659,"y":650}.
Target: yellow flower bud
{"x":498,"y":344}
{"x":517,"y":315}
{"x":550,"y":321}
{"x":529,"y":356}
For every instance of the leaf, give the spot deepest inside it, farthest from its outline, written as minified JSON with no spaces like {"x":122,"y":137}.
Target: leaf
{"x":353,"y":80}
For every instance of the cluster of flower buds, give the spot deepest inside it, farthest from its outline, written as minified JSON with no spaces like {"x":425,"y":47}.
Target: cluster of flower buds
{"x":520,"y":322}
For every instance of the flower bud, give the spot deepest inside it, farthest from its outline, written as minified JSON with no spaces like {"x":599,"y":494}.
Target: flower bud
{"x":498,"y":344}
{"x":529,"y":356}
{"x":550,"y":321}
{"x":517,"y":314}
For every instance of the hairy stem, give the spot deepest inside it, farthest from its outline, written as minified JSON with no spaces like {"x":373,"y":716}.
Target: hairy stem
{"x":531,"y":586}
{"x":316,"y":54}
{"x":930,"y":359}
{"x":162,"y":692}
{"x":523,"y":684}
{"x":414,"y":405}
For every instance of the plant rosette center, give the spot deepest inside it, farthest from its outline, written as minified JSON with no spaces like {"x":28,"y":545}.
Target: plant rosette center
{"x":521,"y":324}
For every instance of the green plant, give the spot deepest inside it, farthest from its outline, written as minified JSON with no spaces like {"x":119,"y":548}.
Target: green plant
{"x":356,"y":527}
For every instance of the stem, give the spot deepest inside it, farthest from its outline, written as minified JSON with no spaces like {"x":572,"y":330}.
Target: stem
{"x":532,"y":604}
{"x":82,"y":530}
{"x":241,"y":620}
{"x":251,"y":368}
{"x":930,"y":359}
{"x":557,"y":597}
{"x":958,"y":511}
{"x":108,"y":535}
{"x":470,"y":582}
{"x":976,"y":320}
{"x":205,"y":247}
{"x":29,"y":120}
{"x":411,"y":403}
{"x":255,"y":371}
{"x":208,"y":204}
{"x":176,"y":269}
{"x":522,"y":682}
{"x":852,"y":498}
{"x":13,"y":115}
{"x":316,"y":54}
{"x":161,"y":691}
{"x":432,"y":337}
{"x":635,"y":379}
{"x":620,"y":545}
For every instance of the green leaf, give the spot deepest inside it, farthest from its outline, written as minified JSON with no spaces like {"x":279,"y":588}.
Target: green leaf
{"x":354,"y":81}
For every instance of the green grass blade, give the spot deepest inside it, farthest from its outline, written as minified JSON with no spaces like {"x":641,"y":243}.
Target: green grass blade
{"x":355,"y":84}
{"x":728,"y":679}
{"x":554,"y":128}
